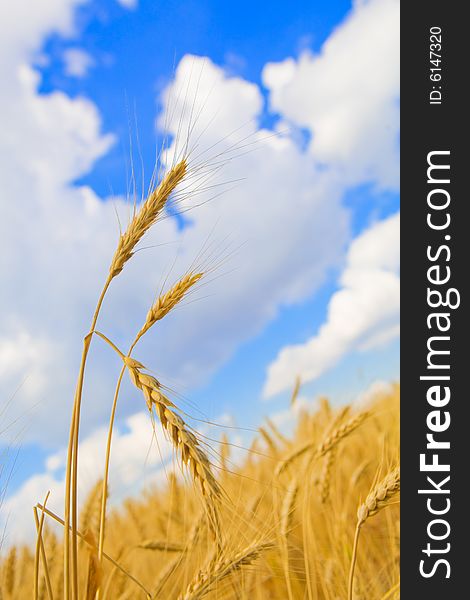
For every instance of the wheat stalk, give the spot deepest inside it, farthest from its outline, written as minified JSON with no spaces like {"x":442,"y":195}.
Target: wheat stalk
{"x":147,"y":216}
{"x":106,"y":556}
{"x":40,"y":548}
{"x":219,"y":568}
{"x":182,"y":438}
{"x":288,"y":506}
{"x":164,"y":304}
{"x":381,"y":495}
{"x":325,"y":478}
{"x":330,"y":442}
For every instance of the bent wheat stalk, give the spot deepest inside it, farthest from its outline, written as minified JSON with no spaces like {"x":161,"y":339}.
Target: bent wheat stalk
{"x":378,"y":498}
{"x":219,"y":568}
{"x":183,"y":439}
{"x":140,"y":224}
{"x":106,"y":556}
{"x":330,"y":442}
{"x":164,"y":304}
{"x":40,"y":551}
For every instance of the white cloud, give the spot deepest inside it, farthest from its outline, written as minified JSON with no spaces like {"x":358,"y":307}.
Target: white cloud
{"x":347,"y":95}
{"x":77,"y":62}
{"x":362,"y":314}
{"x":136,"y":458}
{"x":374,"y":391}
{"x":128,"y":3}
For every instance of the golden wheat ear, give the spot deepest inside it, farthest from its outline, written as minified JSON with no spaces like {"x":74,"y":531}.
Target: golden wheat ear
{"x":381,"y":495}
{"x":221,"y":567}
{"x":147,"y":216}
{"x":184,"y":440}
{"x":327,"y":445}
{"x":166,"y":302}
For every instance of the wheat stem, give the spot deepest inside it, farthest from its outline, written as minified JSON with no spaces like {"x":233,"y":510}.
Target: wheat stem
{"x":106,"y":556}
{"x":160,"y":309}
{"x":72,"y":464}
{"x":40,"y":550}
{"x":379,"y":497}
{"x":39,"y":546}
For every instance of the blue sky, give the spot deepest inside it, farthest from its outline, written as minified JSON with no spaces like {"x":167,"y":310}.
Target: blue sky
{"x":137,"y":52}
{"x":276,"y":65}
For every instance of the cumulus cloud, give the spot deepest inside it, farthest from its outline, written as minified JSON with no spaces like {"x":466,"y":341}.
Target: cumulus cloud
{"x":77,"y":62}
{"x":362,"y":314}
{"x":375,"y":390}
{"x":137,"y":456}
{"x":347,"y":95}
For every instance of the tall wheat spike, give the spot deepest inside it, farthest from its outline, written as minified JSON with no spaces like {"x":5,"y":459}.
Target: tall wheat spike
{"x":184,"y":440}
{"x":147,"y":216}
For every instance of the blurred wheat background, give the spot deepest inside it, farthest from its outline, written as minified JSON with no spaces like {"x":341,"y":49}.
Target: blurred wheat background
{"x":287,"y":522}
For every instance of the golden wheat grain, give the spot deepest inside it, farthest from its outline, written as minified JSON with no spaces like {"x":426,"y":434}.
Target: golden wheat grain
{"x":219,"y":568}
{"x":148,"y":214}
{"x":288,"y":507}
{"x":184,"y":440}
{"x":381,"y":495}
{"x":325,"y":478}
{"x":166,"y":302}
{"x":330,"y":442}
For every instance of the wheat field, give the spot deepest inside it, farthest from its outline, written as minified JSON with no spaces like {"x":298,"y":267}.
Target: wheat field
{"x":285,"y":534}
{"x":310,"y":516}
